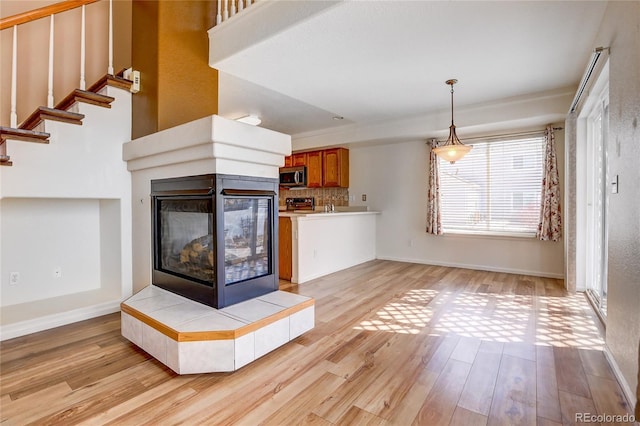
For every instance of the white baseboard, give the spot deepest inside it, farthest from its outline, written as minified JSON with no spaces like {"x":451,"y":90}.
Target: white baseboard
{"x":626,"y":389}
{"x":10,"y":331}
{"x":476,"y":267}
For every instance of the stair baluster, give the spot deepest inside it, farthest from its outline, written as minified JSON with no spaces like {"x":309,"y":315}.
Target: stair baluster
{"x":83,"y":83}
{"x":50,"y":85}
{"x":14,"y":76}
{"x":110,"y":69}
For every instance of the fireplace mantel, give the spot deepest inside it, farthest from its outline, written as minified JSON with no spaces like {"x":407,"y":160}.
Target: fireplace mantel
{"x":212,"y":144}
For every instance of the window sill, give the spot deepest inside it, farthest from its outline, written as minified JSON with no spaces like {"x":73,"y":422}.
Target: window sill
{"x":490,"y":235}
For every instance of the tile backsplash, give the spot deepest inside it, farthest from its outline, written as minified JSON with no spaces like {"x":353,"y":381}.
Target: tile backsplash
{"x":323,"y":196}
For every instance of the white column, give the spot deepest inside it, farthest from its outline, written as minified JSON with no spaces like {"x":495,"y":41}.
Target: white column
{"x":240,"y":5}
{"x":225,"y":16}
{"x":50,"y":82}
{"x":14,"y":74}
{"x":83,"y":83}
{"x":233,"y":7}
{"x":110,"y":69}
{"x":219,"y":15}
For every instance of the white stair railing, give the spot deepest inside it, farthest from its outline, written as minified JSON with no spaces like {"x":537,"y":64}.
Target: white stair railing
{"x":51,"y":11}
{"x":229,"y":8}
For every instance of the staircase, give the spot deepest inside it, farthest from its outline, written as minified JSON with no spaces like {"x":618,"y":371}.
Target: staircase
{"x":32,"y":128}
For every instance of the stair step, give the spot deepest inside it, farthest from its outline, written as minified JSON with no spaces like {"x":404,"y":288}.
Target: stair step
{"x":9,"y":133}
{"x":110,"y":80}
{"x":86,"y":97}
{"x":44,"y":113}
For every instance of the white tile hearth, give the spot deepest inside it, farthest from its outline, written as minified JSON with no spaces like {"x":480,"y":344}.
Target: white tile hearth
{"x":190,"y":337}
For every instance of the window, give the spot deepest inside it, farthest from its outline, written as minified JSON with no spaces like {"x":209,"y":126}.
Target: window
{"x":495,"y":189}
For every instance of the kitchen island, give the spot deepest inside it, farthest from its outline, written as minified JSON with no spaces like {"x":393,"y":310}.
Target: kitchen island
{"x":314,"y":244}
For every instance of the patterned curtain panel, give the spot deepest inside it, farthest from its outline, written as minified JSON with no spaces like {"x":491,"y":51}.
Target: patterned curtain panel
{"x":550,"y":226}
{"x":434,"y":225}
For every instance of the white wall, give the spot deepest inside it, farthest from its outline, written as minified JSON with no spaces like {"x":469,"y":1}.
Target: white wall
{"x":67,"y":204}
{"x":323,"y":244}
{"x":394,"y":178}
{"x":39,"y":235}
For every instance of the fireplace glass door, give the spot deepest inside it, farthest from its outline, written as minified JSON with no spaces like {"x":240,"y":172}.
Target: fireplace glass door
{"x":186,"y":241}
{"x":247,"y":237}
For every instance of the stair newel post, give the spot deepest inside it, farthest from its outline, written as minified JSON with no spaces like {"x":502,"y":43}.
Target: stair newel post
{"x":219,"y":15}
{"x":50,"y":81}
{"x":14,"y":76}
{"x":83,"y":83}
{"x":225,"y":16}
{"x":110,"y":69}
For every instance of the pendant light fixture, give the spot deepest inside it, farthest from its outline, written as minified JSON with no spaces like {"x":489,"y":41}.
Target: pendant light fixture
{"x":453,"y":150}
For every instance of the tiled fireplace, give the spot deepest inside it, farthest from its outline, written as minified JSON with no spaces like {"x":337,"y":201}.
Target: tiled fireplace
{"x":204,"y":231}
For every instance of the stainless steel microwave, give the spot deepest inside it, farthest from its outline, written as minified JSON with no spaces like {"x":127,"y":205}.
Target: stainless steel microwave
{"x":293,"y":176}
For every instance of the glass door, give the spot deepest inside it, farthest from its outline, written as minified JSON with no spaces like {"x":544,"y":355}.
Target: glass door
{"x":247,"y":238}
{"x":597,"y":203}
{"x":184,"y":237}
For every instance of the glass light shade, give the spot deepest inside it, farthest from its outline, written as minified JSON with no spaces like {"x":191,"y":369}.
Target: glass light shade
{"x":453,"y":150}
{"x":452,"y":153}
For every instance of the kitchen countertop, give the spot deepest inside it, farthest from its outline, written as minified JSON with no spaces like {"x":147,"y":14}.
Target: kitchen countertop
{"x":322,"y":214}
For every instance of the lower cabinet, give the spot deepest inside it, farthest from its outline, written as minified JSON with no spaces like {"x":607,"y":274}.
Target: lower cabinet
{"x":284,"y":248}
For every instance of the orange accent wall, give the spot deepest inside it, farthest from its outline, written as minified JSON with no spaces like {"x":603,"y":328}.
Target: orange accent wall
{"x":170,"y":49}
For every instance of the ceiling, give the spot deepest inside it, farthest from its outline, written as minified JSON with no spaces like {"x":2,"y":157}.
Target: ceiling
{"x":385,"y":61}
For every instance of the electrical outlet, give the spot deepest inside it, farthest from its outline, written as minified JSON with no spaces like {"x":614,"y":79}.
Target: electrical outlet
{"x":14,"y":278}
{"x":57,"y":272}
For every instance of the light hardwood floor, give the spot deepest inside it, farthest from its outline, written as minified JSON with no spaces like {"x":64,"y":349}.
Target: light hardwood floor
{"x":394,"y":343}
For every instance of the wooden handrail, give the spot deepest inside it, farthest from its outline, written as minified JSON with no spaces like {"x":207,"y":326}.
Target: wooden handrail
{"x":42,"y":12}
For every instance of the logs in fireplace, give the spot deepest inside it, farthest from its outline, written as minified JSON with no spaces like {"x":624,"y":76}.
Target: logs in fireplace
{"x":214,"y":237}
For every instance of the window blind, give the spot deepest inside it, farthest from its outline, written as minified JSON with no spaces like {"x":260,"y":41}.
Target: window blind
{"x":495,"y":189}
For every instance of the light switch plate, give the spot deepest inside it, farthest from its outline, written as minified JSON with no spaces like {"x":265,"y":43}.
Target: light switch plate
{"x":614,"y":185}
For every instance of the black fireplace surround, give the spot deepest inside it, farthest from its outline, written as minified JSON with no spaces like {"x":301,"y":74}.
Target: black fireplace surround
{"x":215,"y":237}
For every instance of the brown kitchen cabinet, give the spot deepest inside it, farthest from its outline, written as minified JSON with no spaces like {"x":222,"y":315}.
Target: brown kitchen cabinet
{"x":314,"y":169}
{"x":335,"y":166}
{"x":288,"y":161}
{"x":299,"y":159}
{"x":285,"y":248}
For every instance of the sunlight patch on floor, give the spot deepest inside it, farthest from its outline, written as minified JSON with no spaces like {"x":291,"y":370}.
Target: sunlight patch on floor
{"x":542,"y":320}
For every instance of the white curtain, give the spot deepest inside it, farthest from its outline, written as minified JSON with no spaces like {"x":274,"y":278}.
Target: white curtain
{"x":550,"y":225}
{"x":434,"y":224}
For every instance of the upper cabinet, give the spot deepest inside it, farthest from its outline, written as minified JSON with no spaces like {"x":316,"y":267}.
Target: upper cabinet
{"x":314,"y":169}
{"x":335,"y":165}
{"x":299,"y":159}
{"x":326,"y":168}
